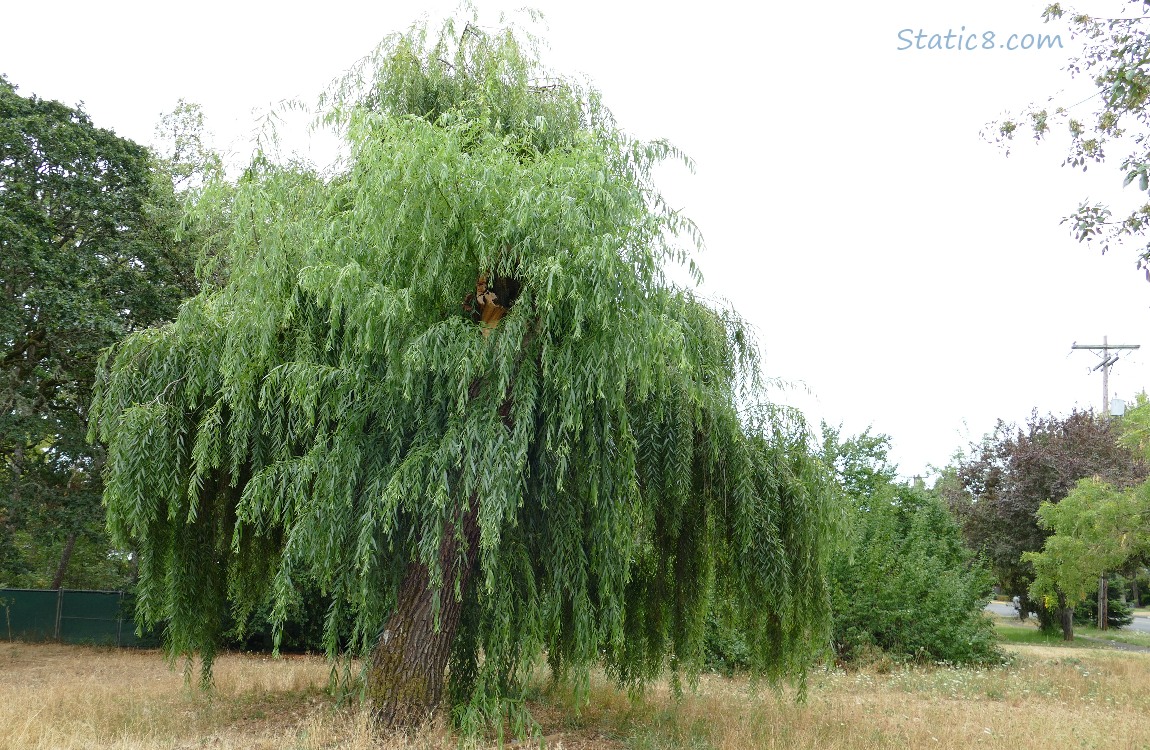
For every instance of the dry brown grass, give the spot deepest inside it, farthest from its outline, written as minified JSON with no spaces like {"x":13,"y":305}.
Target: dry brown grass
{"x":71,"y":697}
{"x":1085,"y":699}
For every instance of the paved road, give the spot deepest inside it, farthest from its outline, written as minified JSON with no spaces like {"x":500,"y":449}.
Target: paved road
{"x":1140,"y":624}
{"x":1002,"y":609}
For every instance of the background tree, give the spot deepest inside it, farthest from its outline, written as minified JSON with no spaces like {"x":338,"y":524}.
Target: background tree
{"x":1095,"y":530}
{"x":87,"y":254}
{"x":996,"y":491}
{"x":1134,"y":427}
{"x":575,"y":473}
{"x":184,"y":151}
{"x":1114,"y":58}
{"x":861,"y":463}
{"x":904,"y":585}
{"x":197,"y":196}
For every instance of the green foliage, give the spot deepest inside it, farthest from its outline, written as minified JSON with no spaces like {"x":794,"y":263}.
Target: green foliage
{"x":184,"y":153}
{"x":860,"y":462}
{"x":1096,"y":529}
{"x":87,"y":254}
{"x":1119,"y":613}
{"x":324,"y":413}
{"x":1115,"y":50}
{"x":725,"y":648}
{"x":1134,"y":426}
{"x":996,"y":491}
{"x":909,"y":587}
{"x":300,"y":631}
{"x":93,"y":563}
{"x":903,"y":582}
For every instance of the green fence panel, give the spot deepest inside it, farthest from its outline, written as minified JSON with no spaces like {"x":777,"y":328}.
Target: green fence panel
{"x":91,"y":617}
{"x":30,"y":614}
{"x":70,"y":616}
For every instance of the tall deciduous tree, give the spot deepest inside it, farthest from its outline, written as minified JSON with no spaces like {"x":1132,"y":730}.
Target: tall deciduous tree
{"x":86,"y":256}
{"x":996,"y":492}
{"x":452,"y":386}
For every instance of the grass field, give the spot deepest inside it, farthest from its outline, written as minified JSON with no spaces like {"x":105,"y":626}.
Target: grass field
{"x":1012,"y":631}
{"x":73,"y":697}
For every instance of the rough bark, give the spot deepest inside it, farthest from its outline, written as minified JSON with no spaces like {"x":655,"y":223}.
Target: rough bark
{"x":406,"y":678}
{"x":1066,"y":616}
{"x":407,"y":674}
{"x":65,"y":559}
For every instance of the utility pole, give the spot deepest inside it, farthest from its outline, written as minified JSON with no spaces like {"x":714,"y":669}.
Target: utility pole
{"x":1108,"y":360}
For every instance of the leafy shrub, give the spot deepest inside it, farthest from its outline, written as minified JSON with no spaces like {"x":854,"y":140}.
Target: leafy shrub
{"x":903,"y":585}
{"x":724,"y":647}
{"x":302,"y":630}
{"x":906,"y":584}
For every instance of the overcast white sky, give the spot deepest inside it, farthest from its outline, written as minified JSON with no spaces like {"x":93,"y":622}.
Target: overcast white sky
{"x":901,"y":271}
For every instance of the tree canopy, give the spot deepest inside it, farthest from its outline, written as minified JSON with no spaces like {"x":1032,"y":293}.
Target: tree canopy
{"x":1099,"y":528}
{"x":577,"y":478}
{"x":860,"y":462}
{"x":87,"y":254}
{"x":1094,"y":531}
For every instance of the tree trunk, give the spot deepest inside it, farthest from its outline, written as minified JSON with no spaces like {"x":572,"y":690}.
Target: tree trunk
{"x":407,"y":674}
{"x":65,"y":558}
{"x":1066,"y":615}
{"x":1103,"y":602}
{"x":1134,"y":588}
{"x":405,"y":681}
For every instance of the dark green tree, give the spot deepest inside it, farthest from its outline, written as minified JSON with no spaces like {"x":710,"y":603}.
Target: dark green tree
{"x":452,"y":386}
{"x":86,"y":256}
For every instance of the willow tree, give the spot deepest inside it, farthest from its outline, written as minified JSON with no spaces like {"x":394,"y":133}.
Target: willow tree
{"x":451,"y":385}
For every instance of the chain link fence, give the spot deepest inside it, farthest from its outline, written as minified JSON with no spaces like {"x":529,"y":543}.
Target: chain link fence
{"x":69,"y":616}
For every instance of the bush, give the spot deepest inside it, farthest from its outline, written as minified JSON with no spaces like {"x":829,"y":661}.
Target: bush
{"x":1142,"y":578}
{"x":302,"y":631}
{"x":903,"y":586}
{"x":725,"y":649}
{"x":908,"y":587}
